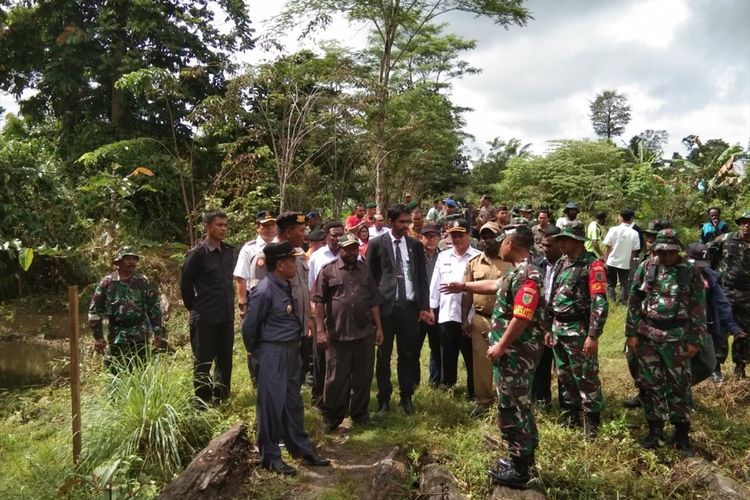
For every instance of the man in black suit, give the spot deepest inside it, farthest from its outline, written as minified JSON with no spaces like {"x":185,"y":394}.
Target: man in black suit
{"x":397,"y":263}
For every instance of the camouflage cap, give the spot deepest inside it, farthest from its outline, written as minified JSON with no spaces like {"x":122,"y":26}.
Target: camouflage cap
{"x":527,"y":208}
{"x":124,"y":252}
{"x":573,"y":230}
{"x":666,"y":240}
{"x":657,"y":225}
{"x":745,"y":216}
{"x":348,"y":239}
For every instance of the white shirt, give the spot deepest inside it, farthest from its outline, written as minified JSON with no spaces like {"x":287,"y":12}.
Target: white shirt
{"x":624,"y":241}
{"x":433,"y":214}
{"x":405,"y":258}
{"x":562,"y":221}
{"x":318,"y":259}
{"x":247,"y":252}
{"x":375,"y":232}
{"x":449,"y":267}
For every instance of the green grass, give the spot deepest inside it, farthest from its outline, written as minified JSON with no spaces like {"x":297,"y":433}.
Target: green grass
{"x":37,"y":462}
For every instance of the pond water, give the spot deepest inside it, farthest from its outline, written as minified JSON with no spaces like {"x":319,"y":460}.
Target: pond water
{"x":26,"y":359}
{"x":26,"y":364}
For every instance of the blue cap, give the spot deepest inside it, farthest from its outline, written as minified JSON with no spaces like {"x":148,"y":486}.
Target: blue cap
{"x":450,"y":203}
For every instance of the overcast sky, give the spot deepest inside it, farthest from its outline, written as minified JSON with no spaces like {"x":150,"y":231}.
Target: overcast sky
{"x":683,"y":64}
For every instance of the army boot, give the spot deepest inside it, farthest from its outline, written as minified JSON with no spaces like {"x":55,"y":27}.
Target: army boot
{"x":655,"y":437}
{"x":739,"y":370}
{"x":516,"y":474}
{"x":591,"y":426}
{"x":682,"y":438}
{"x":570,"y":419}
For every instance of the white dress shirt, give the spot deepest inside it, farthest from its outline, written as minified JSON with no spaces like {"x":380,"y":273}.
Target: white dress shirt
{"x":449,"y":267}
{"x":405,"y":260}
{"x":247,"y":252}
{"x":624,"y":241}
{"x":375,"y":232}
{"x":318,"y":259}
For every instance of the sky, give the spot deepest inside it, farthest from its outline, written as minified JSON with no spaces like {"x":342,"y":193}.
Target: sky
{"x":684,"y":66}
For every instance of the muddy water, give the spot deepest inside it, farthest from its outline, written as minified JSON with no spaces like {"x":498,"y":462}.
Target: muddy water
{"x":35,"y":346}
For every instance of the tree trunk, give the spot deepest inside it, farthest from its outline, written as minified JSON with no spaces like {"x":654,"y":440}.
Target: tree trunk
{"x":218,"y":471}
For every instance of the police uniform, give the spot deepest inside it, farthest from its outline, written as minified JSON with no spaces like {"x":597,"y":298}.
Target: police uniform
{"x":132,"y":310}
{"x":483,"y":267}
{"x":667,"y":312}
{"x":249,"y":250}
{"x":578,"y":309}
{"x":272,"y":331}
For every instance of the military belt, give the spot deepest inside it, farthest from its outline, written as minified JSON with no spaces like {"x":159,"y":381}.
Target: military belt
{"x":667,"y":324}
{"x":570,"y":317}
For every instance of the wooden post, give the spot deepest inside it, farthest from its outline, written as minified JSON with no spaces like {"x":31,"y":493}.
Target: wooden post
{"x":75,"y":375}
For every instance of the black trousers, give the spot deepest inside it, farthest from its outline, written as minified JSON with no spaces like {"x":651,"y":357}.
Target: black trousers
{"x":308,"y":365}
{"x":402,"y":325}
{"x":212,"y":345}
{"x":541,"y":387}
{"x":453,"y":342}
{"x":432,"y":332}
{"x":615,"y":274}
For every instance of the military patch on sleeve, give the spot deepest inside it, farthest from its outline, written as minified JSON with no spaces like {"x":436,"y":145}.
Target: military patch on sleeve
{"x":261,"y":261}
{"x":597,"y":278}
{"x":526,"y":300}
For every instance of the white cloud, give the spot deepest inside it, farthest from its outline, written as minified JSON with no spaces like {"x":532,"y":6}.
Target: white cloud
{"x":651,"y":23}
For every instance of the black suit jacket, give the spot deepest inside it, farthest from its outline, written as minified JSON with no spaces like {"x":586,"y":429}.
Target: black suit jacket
{"x":382,"y":263}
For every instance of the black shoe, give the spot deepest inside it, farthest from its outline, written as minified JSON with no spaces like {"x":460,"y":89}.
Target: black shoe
{"x":407,"y":405}
{"x":315,"y":460}
{"x":739,"y":371}
{"x":516,"y":475}
{"x":655,"y":437}
{"x":634,"y":402}
{"x":591,"y":426}
{"x":681,"y":438}
{"x":383,"y":408}
{"x":280,"y":467}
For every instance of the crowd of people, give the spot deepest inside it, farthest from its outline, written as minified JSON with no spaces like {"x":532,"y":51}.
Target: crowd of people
{"x":510,"y":290}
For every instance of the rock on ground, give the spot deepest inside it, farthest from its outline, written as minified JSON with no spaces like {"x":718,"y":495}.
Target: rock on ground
{"x":709,"y":480}
{"x":389,"y":477}
{"x":505,"y":493}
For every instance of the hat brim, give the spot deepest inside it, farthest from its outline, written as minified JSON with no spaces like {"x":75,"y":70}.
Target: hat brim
{"x":458,"y":230}
{"x":572,"y":237}
{"x":120,"y":257}
{"x":740,"y":219}
{"x":702,"y":264}
{"x":666,"y":247}
{"x":269,"y":219}
{"x":348,"y":244}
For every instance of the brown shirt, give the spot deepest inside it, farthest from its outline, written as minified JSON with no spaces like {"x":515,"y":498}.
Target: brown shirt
{"x":348,"y":294}
{"x":480,"y":268}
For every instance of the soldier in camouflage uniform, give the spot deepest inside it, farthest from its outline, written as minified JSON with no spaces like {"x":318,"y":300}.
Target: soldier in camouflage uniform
{"x":665,"y":327}
{"x":574,"y":320}
{"x":732,"y":251}
{"x":649,"y":238}
{"x":515,"y":348}
{"x":130,"y":303}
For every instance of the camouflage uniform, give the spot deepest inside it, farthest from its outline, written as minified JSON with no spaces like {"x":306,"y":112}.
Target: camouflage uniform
{"x":578,"y":307}
{"x":666,"y":315}
{"x":132,"y":310}
{"x":518,"y":295}
{"x":733,"y":254}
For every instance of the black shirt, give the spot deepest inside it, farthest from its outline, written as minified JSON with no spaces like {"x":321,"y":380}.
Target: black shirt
{"x":206,"y":284}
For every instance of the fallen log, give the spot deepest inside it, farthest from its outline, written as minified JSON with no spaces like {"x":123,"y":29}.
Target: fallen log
{"x":218,"y":471}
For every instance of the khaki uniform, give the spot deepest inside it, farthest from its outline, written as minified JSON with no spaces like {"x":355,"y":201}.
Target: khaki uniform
{"x":480,"y":268}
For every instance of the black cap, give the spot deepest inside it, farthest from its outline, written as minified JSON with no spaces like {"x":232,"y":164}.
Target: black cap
{"x":286,"y":219}
{"x":264,"y":216}
{"x":280,"y":250}
{"x":429,"y":228}
{"x":699,"y":253}
{"x":316,"y":235}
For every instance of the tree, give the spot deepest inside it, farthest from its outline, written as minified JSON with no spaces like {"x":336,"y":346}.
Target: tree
{"x":649,"y":141}
{"x":610,"y":113}
{"x":488,"y":169}
{"x":392,"y":20}
{"x":73,"y":52}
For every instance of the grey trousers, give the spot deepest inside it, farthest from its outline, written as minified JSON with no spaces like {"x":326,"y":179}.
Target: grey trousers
{"x":279,"y":410}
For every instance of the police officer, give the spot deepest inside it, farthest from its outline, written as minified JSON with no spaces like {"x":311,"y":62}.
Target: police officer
{"x":665,"y":327}
{"x":265,"y":227}
{"x":733,"y":254}
{"x":515,"y":347}
{"x":486,"y":266}
{"x":130,"y":303}
{"x":272,"y":331}
{"x":574,"y":320}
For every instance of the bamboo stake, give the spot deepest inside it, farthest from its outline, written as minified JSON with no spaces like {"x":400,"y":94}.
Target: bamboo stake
{"x":75,"y":374}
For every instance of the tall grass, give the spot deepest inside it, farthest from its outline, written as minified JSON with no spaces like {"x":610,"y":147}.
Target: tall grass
{"x":146,"y":412}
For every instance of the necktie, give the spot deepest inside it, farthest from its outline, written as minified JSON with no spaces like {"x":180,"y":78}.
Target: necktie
{"x":401,"y":290}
